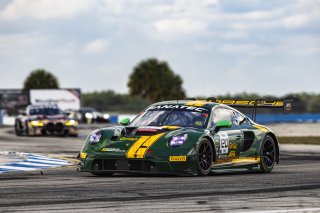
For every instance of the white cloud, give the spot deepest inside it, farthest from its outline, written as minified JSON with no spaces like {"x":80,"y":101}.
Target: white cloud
{"x":172,"y":28}
{"x":96,"y":46}
{"x":198,"y":38}
{"x":45,"y":9}
{"x":21,"y":43}
{"x":296,"y":21}
{"x":244,"y":49}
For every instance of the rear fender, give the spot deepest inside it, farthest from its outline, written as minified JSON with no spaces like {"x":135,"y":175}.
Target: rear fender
{"x":277,"y":145}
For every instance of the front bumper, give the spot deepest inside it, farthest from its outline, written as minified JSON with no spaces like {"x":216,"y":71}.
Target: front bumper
{"x":53,"y":130}
{"x":158,"y":165}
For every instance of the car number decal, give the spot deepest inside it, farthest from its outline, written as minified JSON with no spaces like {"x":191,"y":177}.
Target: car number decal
{"x":141,"y":146}
{"x":224,"y":142}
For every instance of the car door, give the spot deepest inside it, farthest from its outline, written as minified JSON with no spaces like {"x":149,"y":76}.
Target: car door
{"x":227,"y":140}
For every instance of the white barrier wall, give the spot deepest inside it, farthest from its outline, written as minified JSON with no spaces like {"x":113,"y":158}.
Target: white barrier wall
{"x":64,"y":98}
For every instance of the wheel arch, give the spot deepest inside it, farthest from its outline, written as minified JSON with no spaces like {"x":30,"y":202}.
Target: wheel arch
{"x":213,"y":147}
{"x":273,"y":136}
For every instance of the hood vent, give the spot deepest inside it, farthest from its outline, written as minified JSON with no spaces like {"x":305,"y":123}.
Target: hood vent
{"x":147,"y":131}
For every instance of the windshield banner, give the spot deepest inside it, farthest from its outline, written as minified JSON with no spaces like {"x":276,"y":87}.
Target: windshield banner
{"x":178,"y":107}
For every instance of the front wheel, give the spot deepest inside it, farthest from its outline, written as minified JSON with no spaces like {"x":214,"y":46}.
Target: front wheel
{"x":204,"y":157}
{"x":267,"y":154}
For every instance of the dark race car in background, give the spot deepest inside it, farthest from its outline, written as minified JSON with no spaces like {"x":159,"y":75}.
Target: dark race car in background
{"x":90,"y":115}
{"x":45,"y":120}
{"x":184,"y":137}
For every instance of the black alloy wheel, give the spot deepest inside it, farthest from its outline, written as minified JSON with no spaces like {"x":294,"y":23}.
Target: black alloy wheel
{"x":204,"y":157}
{"x":268,"y":154}
{"x":18,"y":128}
{"x":27,"y":128}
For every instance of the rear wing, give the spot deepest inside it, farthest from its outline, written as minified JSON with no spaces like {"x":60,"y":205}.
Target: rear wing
{"x":285,"y":105}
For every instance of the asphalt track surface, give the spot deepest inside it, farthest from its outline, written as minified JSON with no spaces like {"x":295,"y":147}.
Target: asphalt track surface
{"x":293,"y":186}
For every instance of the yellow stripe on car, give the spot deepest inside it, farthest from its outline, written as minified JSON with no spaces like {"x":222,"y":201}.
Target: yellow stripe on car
{"x":83,"y":155}
{"x":262,"y":128}
{"x":170,"y":127}
{"x":247,"y":160}
{"x":196,"y":103}
{"x":236,"y":161}
{"x":141,"y":146}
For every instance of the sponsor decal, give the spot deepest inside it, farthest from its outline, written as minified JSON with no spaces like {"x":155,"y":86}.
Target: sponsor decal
{"x":177,"y":107}
{"x":178,"y":158}
{"x":251,"y":103}
{"x":112,"y":150}
{"x":198,"y":123}
{"x":232,"y":154}
{"x":127,"y":139}
{"x":233,"y":145}
{"x":224,"y":142}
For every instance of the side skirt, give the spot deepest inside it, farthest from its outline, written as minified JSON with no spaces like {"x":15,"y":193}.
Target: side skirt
{"x":241,"y":163}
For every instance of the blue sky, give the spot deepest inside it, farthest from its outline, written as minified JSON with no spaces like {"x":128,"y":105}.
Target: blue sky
{"x":217,"y":46}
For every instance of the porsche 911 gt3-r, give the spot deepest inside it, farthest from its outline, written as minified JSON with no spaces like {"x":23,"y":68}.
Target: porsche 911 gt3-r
{"x":184,"y":137}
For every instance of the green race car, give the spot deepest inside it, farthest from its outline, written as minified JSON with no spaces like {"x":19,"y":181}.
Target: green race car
{"x":184,"y":137}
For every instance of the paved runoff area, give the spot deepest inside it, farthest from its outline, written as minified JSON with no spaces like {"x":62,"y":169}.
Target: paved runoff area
{"x":49,"y":182}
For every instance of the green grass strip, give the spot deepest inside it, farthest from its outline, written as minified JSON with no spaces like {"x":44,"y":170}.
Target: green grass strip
{"x":315,"y":140}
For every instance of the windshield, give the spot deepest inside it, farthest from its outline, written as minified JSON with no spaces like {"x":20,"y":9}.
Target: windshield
{"x":173,"y":115}
{"x":45,"y":111}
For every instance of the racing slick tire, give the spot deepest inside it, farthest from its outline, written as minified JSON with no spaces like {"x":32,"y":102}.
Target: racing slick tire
{"x":27,"y":129}
{"x":102,"y":174}
{"x":268,"y":154}
{"x":18,"y":128}
{"x":204,"y":157}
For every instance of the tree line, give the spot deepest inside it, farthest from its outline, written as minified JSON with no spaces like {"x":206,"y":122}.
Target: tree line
{"x":151,"y":81}
{"x":115,"y":102}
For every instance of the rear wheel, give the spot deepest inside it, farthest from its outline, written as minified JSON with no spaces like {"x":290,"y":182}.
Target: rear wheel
{"x":102,"y":174}
{"x":267,"y":154}
{"x":18,"y":128}
{"x":27,"y":128}
{"x":204,"y":157}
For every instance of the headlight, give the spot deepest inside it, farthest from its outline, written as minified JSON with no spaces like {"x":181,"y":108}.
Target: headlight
{"x":106,"y":116}
{"x":71,"y":123}
{"x":89,"y":115}
{"x":95,"y":137}
{"x":178,"y":140}
{"x":36,"y":123}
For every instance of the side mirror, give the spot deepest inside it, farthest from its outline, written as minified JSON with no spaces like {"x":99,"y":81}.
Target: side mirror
{"x":24,"y":113}
{"x":223,"y":124}
{"x":125,"y":121}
